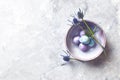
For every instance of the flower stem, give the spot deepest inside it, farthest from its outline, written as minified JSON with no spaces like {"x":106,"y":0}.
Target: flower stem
{"x":92,"y":35}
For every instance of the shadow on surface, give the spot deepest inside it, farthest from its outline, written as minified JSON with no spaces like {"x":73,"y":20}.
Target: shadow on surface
{"x":102,"y":58}
{"x":98,"y":62}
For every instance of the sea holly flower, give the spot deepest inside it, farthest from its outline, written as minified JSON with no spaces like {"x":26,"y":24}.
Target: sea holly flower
{"x":75,"y":21}
{"x":80,"y":14}
{"x":66,"y":57}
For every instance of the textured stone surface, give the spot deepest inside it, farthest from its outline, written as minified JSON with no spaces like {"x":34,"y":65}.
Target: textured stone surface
{"x":32,"y":34}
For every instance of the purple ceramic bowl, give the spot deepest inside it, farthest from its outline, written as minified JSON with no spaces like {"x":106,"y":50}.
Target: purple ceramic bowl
{"x":92,"y":53}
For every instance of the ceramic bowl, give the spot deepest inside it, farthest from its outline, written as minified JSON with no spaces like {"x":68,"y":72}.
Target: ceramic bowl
{"x":92,"y":53}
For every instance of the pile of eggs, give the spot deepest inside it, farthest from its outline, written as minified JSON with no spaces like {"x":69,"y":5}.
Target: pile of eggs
{"x":83,"y":41}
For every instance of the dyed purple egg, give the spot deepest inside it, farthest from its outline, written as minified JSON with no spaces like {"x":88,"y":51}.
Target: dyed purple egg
{"x":83,"y":47}
{"x":76,"y":40}
{"x":82,"y":33}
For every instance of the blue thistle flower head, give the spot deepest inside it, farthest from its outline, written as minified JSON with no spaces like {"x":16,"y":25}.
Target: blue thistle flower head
{"x":80,"y":14}
{"x":66,"y":58}
{"x":75,"y":21}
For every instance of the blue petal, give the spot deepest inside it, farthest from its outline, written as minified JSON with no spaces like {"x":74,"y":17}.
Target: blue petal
{"x":75,"y":20}
{"x":66,"y":58}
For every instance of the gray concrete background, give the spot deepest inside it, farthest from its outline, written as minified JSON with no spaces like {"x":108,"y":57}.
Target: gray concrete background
{"x":32,"y":34}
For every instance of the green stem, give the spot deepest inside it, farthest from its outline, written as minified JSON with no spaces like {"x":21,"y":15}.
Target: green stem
{"x":92,"y":35}
{"x":75,"y":59}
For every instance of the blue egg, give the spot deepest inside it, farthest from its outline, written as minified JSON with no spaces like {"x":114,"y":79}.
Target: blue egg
{"x":92,"y":42}
{"x":84,"y":39}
